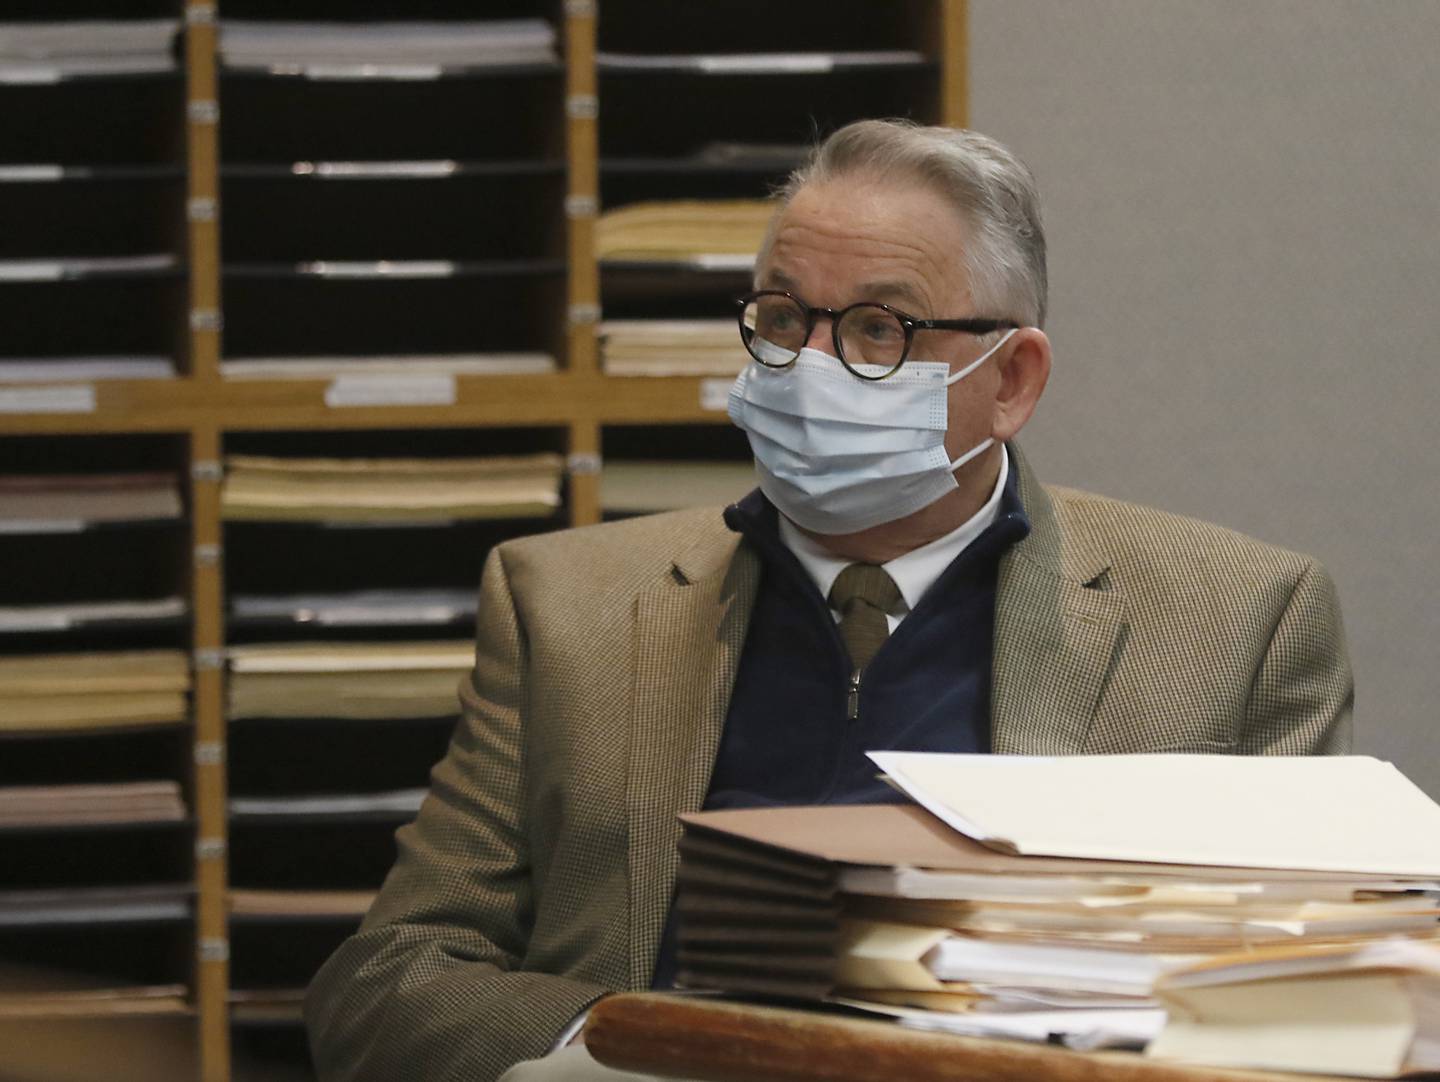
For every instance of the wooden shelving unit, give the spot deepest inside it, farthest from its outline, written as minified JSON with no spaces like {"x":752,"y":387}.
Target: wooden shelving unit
{"x":202,"y":411}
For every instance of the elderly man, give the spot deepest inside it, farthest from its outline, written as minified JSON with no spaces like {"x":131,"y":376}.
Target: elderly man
{"x":899,"y":580}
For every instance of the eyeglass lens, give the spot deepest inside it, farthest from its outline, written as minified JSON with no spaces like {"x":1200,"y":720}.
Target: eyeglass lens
{"x":866,"y":334}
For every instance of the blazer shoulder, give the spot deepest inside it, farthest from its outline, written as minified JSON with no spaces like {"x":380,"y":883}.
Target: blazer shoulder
{"x":1146,"y":542}
{"x":611,"y":557}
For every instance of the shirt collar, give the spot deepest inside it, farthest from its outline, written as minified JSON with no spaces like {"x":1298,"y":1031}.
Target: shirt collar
{"x":914,"y":572}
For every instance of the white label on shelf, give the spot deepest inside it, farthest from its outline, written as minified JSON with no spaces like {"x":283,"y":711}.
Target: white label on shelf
{"x":388,"y":390}
{"x":373,"y":71}
{"x":26,"y":74}
{"x":440,"y":168}
{"x":715,"y":394}
{"x":36,"y":621}
{"x":407,"y":614}
{"x":63,"y":398}
{"x":762,"y":63}
{"x":41,"y":525}
{"x":381,"y":268}
{"x":32,"y":172}
{"x":30,"y":270}
{"x":718,"y":261}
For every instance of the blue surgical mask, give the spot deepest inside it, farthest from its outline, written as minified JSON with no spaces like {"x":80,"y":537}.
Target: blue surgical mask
{"x":839,"y":454}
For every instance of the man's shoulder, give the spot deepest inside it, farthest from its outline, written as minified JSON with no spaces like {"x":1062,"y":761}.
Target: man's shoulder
{"x":617,"y":556}
{"x":1147,"y":542}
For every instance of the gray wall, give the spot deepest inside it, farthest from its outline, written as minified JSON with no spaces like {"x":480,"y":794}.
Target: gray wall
{"x":1243,"y":207}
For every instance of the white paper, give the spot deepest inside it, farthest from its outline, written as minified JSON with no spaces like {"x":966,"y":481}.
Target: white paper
{"x":65,"y":398}
{"x":1357,"y":1025}
{"x":723,"y":261}
{"x":31,"y":172}
{"x":715,"y":394}
{"x":378,"y":268}
{"x":1350,"y":814}
{"x":391,"y":390}
{"x":41,"y":525}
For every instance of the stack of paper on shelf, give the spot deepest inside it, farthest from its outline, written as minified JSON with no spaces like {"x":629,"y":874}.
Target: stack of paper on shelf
{"x":669,"y":484}
{"x":18,"y":1004}
{"x":396,"y":49}
{"x":301,"y":904}
{"x":91,"y":805}
{"x":1078,"y":885}
{"x":348,"y":680}
{"x":800,"y":63}
{"x":267,"y":1005}
{"x":419,"y":364}
{"x":43,"y":501}
{"x":45,"y":51}
{"x":360,"y":608}
{"x":95,"y":905}
{"x":404,"y":802}
{"x":58,"y":692}
{"x":67,"y":267}
{"x":671,"y":347}
{"x":60,"y":369}
{"x":719,"y":234}
{"x":408,"y":490}
{"x":91,"y":614}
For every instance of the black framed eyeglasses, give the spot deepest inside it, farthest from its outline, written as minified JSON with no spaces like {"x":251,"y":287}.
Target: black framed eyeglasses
{"x":775,"y":325}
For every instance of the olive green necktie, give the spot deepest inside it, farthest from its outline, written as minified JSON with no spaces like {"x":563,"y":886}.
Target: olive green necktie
{"x":862,"y":595}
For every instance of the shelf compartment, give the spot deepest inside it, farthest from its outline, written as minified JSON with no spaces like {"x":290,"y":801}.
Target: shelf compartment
{"x":137,"y":315}
{"x":479,"y":218}
{"x":279,"y":756}
{"x":95,"y":216}
{"x":135,"y":120}
{"x":517,"y":307}
{"x":479,"y":117}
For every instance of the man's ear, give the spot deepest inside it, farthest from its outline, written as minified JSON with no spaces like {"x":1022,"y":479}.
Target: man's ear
{"x":1024,"y":368}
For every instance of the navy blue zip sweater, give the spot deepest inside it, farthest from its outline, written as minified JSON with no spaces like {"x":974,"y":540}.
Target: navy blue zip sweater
{"x":788,"y":739}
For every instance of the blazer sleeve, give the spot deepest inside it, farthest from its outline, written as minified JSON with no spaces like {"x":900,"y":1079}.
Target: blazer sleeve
{"x":1303,"y":692}
{"x":431,"y":987}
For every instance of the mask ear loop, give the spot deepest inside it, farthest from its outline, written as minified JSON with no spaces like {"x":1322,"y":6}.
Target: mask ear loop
{"x":958,"y":376}
{"x":984,"y":445}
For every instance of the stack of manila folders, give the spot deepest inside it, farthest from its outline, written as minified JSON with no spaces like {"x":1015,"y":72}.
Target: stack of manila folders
{"x":1263,"y":912}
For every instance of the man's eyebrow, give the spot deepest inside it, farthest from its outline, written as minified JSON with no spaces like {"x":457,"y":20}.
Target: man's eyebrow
{"x":777,"y":279}
{"x":905,"y":294}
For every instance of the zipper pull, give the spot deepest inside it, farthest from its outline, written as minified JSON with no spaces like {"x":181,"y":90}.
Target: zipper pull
{"x":852,"y":699}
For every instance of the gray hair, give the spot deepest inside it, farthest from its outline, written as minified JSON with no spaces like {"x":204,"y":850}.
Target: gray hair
{"x":992,"y":189}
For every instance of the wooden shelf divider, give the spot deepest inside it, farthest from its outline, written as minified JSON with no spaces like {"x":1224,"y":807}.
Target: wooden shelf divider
{"x":201,"y":408}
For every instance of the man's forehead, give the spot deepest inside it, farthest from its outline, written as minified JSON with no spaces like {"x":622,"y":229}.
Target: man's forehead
{"x":896,"y":291}
{"x":857,"y":238}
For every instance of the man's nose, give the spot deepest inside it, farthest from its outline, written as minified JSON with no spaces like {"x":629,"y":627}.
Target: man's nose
{"x":822,"y":335}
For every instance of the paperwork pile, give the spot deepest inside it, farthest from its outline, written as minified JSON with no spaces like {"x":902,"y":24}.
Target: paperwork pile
{"x":410,"y":490}
{"x":639,"y":487}
{"x":720,"y":234}
{"x":1080,"y":898}
{"x":63,"y":692}
{"x":671,"y":347}
{"x":45,"y":503}
{"x":91,"y":615}
{"x":46,"y":51}
{"x":357,"y":608}
{"x":384,"y":49}
{"x":91,"y":805}
{"x":348,"y":680}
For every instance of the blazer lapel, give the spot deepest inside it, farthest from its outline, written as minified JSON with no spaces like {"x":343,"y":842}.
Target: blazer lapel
{"x":689,"y":631}
{"x":1057,"y":630}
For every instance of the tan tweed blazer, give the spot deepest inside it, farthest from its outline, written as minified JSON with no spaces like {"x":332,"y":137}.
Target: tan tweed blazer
{"x":539,"y":872}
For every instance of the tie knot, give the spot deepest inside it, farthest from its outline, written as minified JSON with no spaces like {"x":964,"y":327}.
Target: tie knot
{"x":868,"y":584}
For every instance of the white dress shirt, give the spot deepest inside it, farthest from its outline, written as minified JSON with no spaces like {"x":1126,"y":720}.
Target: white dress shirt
{"x":915,"y":571}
